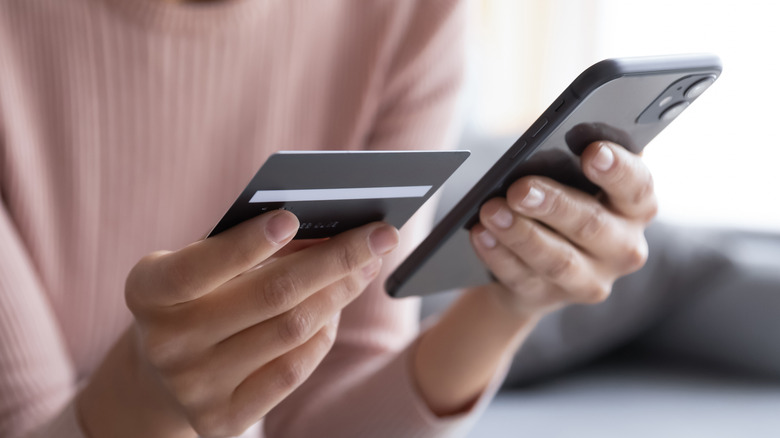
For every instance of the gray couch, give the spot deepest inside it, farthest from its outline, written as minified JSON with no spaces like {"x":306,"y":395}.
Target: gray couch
{"x":640,"y":399}
{"x":688,"y":346}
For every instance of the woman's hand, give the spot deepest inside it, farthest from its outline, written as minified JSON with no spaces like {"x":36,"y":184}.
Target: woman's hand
{"x":549,"y":245}
{"x":224,"y":341}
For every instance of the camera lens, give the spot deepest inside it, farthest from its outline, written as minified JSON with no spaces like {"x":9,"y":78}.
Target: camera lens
{"x":697,"y":88}
{"x":674,"y":111}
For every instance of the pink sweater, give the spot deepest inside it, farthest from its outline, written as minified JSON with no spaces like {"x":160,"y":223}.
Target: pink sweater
{"x":128,"y":126}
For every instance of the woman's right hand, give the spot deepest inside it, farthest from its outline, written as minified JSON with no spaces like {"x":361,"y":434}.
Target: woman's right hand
{"x":224,"y":340}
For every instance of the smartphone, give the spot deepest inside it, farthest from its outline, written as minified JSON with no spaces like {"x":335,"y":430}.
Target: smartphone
{"x":626,"y":100}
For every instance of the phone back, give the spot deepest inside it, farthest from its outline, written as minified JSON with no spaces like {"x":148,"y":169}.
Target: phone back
{"x":627,"y":101}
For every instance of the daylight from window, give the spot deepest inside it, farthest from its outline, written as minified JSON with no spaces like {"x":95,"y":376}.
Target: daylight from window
{"x":718,"y":164}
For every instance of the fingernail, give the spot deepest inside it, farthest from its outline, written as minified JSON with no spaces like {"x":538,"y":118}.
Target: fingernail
{"x":502,"y":218}
{"x":281,"y":227}
{"x":383,"y":240}
{"x":486,"y":239}
{"x":533,"y":198}
{"x":336,"y":318}
{"x":371,"y":269}
{"x":604,"y":159}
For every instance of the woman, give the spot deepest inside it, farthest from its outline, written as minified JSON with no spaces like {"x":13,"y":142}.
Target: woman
{"x":128,"y":126}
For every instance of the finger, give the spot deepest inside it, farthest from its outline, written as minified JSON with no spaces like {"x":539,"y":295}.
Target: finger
{"x":577,"y":216}
{"x":264,"y":293}
{"x":257,"y":345}
{"x":169,"y":278}
{"x":549,"y":256}
{"x":624,"y":178}
{"x":297,"y":245}
{"x":504,"y":264}
{"x":215,"y":410}
{"x":528,"y":291}
{"x":276,"y":380}
{"x":290,"y":248}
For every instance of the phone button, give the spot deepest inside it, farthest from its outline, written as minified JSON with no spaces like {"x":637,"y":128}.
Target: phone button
{"x":519,"y":149}
{"x":537,"y":127}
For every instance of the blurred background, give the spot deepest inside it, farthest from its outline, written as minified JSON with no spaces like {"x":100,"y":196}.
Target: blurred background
{"x":717,"y":165}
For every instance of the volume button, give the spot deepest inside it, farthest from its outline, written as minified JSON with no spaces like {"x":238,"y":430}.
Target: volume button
{"x":538,"y":126}
{"x":519,"y":149}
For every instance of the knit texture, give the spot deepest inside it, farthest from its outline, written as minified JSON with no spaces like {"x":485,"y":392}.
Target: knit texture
{"x":128,"y":126}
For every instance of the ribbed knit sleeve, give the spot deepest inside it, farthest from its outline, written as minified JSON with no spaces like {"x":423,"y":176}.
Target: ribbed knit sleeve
{"x":36,"y":376}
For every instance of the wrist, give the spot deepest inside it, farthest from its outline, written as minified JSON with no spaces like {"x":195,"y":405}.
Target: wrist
{"x":504,"y":306}
{"x":123,"y":399}
{"x":507,"y":305}
{"x":458,"y":357}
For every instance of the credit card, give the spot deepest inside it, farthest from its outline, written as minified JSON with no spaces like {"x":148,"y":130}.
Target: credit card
{"x":334,"y":191}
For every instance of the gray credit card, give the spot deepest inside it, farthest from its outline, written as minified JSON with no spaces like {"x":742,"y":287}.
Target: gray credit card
{"x":333,"y":191}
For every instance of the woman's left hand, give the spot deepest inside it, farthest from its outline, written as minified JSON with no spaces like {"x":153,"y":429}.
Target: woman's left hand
{"x":549,"y":245}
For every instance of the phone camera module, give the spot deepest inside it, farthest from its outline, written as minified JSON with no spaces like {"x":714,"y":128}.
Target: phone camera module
{"x":665,"y":101}
{"x":675,"y":98}
{"x":698,"y":88}
{"x":673,"y":111}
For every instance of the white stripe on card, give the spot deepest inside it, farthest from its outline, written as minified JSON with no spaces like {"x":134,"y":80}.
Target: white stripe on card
{"x":355,"y":193}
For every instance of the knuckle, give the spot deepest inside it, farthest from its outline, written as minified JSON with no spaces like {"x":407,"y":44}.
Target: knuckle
{"x":517,"y":283}
{"x":592,"y":226}
{"x":561,"y":267}
{"x":202,"y":425}
{"x":140,"y":271}
{"x":645,"y":190}
{"x":348,"y":258}
{"x":636,"y":256}
{"x":177,"y":276}
{"x":597,"y":293}
{"x":335,"y":296}
{"x":190,"y":388}
{"x":295,"y":326}
{"x":291,"y":374}
{"x":524,"y":237}
{"x":147,"y":262}
{"x":235,"y":426}
{"x":278,"y":292}
{"x":351,"y":286}
{"x":328,"y":338}
{"x":232,"y":426}
{"x":652,"y":210}
{"x":211,"y":421}
{"x":323,"y":341}
{"x":621,"y":173}
{"x":138,"y":280}
{"x":245,"y":253}
{"x":163,"y":352}
{"x":557,"y":204}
